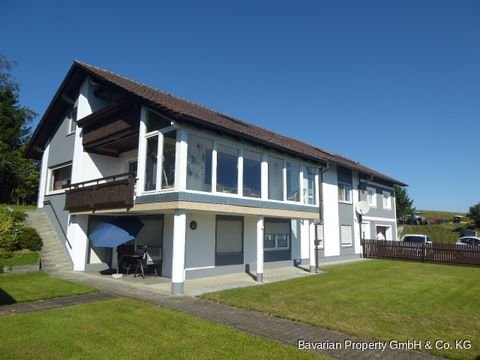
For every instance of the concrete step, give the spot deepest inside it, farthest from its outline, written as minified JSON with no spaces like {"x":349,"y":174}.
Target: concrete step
{"x":53,"y":254}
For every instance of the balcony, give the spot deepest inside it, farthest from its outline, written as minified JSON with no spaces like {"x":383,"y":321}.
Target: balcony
{"x":112,"y":192}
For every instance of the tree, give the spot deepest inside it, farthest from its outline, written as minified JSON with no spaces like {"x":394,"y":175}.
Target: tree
{"x":18,"y":175}
{"x":404,"y":205}
{"x":474,"y":214}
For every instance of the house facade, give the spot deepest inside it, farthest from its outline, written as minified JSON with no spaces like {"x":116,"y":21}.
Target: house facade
{"x":215,"y":194}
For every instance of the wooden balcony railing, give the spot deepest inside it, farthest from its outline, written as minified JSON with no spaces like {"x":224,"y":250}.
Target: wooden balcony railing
{"x":110,"y":192}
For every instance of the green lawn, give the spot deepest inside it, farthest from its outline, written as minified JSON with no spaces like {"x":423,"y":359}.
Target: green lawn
{"x":377,"y":299}
{"x":36,"y":286}
{"x":128,"y":329}
{"x":438,"y":233}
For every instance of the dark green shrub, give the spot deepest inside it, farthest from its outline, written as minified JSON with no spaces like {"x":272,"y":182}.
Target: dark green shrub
{"x":28,"y":238}
{"x":9,"y":242}
{"x":5,"y":254}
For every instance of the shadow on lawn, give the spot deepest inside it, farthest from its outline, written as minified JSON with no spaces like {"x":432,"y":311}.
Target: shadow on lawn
{"x":5,"y":298}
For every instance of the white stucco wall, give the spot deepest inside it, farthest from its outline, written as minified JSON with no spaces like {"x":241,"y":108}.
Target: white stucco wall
{"x":305,"y":239}
{"x":331,"y":220}
{"x":250,"y":239}
{"x":167,"y":245}
{"x":200,"y":243}
{"x":77,"y":234}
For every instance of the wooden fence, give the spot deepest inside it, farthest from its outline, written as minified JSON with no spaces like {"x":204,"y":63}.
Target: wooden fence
{"x":434,"y":253}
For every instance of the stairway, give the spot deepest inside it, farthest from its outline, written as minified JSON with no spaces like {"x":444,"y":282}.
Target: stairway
{"x":54,"y":257}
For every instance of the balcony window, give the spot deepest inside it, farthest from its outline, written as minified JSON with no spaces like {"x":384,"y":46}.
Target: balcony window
{"x":169,"y":143}
{"x":275,"y":178}
{"x":151,"y":163}
{"x":252,"y":173}
{"x":60,"y":178}
{"x":227,"y":169}
{"x":199,"y":163}
{"x":309,"y":186}
{"x":156,"y":122}
{"x":293,"y":181}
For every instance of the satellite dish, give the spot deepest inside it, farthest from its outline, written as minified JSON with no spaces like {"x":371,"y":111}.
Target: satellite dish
{"x":362,"y":207}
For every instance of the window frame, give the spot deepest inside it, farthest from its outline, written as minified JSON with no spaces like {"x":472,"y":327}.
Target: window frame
{"x":238,"y":150}
{"x":387,"y":201}
{"x":345,"y":192}
{"x":342,"y":242}
{"x":372,"y":204}
{"x":50,"y":182}
{"x":72,"y":121}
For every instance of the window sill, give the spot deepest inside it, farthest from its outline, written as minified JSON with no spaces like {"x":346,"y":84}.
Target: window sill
{"x":345,"y":202}
{"x":55,"y":192}
{"x":347,"y":245}
{"x":276,"y":249}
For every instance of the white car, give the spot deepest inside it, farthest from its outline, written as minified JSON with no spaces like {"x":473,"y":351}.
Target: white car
{"x":469,"y":240}
{"x":417,"y":238}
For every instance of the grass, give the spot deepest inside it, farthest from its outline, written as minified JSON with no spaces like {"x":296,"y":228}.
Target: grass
{"x":27,"y":258}
{"x":36,"y":286}
{"x":128,"y":329}
{"x":20,"y":207}
{"x":377,"y":299}
{"x":435,"y":214}
{"x":438,"y":233}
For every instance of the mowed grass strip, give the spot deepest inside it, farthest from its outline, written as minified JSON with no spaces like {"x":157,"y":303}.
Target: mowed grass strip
{"x":128,"y":329}
{"x":37,"y":285}
{"x":377,"y":299}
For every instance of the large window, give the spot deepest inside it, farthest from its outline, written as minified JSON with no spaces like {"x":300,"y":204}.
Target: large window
{"x":60,"y":178}
{"x":169,"y":145}
{"x":199,"y":163}
{"x":275,"y":178}
{"x":151,"y":163}
{"x":293,"y":181}
{"x":156,"y":122}
{"x":344,"y":192}
{"x":160,"y":143}
{"x":309,"y":185}
{"x":227,"y":169}
{"x":252,"y":174}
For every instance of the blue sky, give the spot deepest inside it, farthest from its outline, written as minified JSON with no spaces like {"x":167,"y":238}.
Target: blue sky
{"x":394,"y":85}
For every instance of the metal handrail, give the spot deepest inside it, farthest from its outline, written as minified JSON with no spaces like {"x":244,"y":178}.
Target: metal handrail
{"x":48,"y":202}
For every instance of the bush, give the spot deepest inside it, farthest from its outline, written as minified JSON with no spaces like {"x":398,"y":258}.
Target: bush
{"x":5,"y":254}
{"x":11,"y":221}
{"x":9,"y":242}
{"x":28,"y":238}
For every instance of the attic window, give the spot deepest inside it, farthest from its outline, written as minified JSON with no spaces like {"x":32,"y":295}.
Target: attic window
{"x":72,"y":121}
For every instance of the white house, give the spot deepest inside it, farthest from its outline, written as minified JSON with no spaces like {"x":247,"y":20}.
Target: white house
{"x":216,"y":194}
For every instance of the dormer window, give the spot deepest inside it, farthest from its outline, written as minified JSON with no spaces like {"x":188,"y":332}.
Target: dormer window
{"x":72,"y":121}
